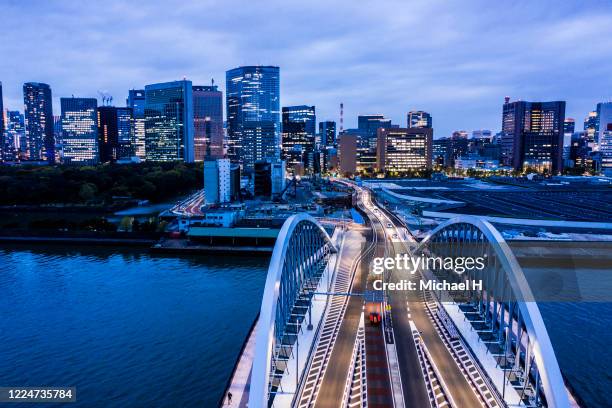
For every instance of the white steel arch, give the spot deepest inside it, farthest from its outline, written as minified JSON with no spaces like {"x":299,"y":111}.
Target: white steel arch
{"x":301,"y":243}
{"x":471,"y":230}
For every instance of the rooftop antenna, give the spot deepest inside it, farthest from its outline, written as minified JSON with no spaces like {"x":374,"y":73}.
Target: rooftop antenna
{"x":212,"y":80}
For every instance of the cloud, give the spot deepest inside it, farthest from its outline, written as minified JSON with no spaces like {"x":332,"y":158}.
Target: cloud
{"x":455,"y":59}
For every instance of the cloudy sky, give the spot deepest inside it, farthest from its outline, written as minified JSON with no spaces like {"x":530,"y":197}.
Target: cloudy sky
{"x":455,"y":59}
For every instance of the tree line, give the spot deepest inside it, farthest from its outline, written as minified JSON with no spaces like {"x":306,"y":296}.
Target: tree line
{"x":97,"y":185}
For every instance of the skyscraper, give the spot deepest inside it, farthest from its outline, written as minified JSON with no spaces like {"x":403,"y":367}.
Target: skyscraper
{"x":3,"y":142}
{"x":347,"y":153}
{"x":367,"y":126}
{"x":590,"y":126}
{"x":136,"y":102}
{"x":604,"y":118}
{"x":253,"y":114}
{"x":532,"y":135}
{"x":419,"y":119}
{"x":80,"y":130}
{"x":169,"y":121}
{"x":114,"y":133}
{"x":208,"y":122}
{"x":327,"y":130}
{"x":57,"y":135}
{"x":298,"y":136}
{"x":38,"y":113}
{"x":605,"y":148}
{"x":569,"y":126}
{"x":15,"y":135}
{"x":401,"y":150}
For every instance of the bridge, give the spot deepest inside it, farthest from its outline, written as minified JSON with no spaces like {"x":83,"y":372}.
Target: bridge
{"x":314,"y":347}
{"x":503,"y":314}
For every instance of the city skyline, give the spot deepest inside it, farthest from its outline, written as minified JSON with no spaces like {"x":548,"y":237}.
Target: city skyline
{"x":459,"y":71}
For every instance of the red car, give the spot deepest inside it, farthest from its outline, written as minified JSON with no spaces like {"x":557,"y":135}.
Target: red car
{"x":375,"y":318}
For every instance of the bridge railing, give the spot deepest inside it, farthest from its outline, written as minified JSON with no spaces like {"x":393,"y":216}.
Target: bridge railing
{"x":298,"y":261}
{"x":505,"y":304}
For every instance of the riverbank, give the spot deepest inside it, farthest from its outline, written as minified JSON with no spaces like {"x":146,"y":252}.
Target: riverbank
{"x":80,"y":238}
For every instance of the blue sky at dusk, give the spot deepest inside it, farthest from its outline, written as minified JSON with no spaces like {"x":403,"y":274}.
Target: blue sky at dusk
{"x":455,"y":59}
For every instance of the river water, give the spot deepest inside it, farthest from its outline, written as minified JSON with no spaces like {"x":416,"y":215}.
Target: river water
{"x":130,"y":329}
{"x":126,"y":329}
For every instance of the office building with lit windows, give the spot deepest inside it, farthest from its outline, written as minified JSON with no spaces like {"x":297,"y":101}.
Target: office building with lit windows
{"x":2,"y":141}
{"x":532,"y":135}
{"x":80,"y":130}
{"x":419,"y":119}
{"x":253,"y":114}
{"x":590,"y":126}
{"x":207,"y":122}
{"x":38,"y":114}
{"x":15,"y":140}
{"x":327,"y":132}
{"x":136,"y":102}
{"x":569,"y":127}
{"x":114,"y":133}
{"x":367,"y":126}
{"x":604,"y":118}
{"x":605,"y":148}
{"x":169,"y":129}
{"x":404,"y":149}
{"x":298,"y":136}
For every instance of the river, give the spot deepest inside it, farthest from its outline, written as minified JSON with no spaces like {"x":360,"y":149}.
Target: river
{"x":128,"y":328}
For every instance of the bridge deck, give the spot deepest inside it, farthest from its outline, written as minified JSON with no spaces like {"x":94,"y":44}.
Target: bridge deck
{"x":335,"y":375}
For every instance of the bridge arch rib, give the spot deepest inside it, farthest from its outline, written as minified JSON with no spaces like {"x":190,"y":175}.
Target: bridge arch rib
{"x":298,"y":260}
{"x":506,"y":303}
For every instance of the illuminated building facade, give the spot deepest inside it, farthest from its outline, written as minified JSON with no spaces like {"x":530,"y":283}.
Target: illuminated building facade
{"x":169,"y":122}
{"x":404,"y":149}
{"x":532,"y":135}
{"x":367,"y":126}
{"x":419,"y":119}
{"x":604,"y":118}
{"x":327,"y":132}
{"x":3,"y":143}
{"x":80,"y":130}
{"x":15,"y":140}
{"x":114,"y":133}
{"x":207,"y":122}
{"x":253,"y":114}
{"x":136,"y":102}
{"x":605,"y":148}
{"x":38,"y":114}
{"x":298,"y":136}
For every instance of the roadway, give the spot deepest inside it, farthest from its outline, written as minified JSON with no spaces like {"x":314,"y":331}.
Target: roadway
{"x":407,"y":306}
{"x":334,"y":379}
{"x":190,"y":206}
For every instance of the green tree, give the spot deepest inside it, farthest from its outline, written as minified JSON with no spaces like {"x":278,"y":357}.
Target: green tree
{"x":88,"y":191}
